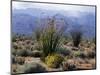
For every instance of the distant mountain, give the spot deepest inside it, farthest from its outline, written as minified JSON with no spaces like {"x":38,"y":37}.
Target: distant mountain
{"x":25,"y":21}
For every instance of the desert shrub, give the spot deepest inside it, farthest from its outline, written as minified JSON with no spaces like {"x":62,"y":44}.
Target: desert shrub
{"x":87,"y":54}
{"x":91,"y":54}
{"x":24,"y":53}
{"x":54,"y":60}
{"x":50,"y":38}
{"x":20,"y":60}
{"x":14,"y":37}
{"x":76,"y":35}
{"x":30,"y":53}
{"x":69,"y":65}
{"x":34,"y":68}
{"x":77,"y":53}
{"x":36,"y":53}
{"x":13,"y":51}
{"x":82,"y":54}
{"x":64,"y":51}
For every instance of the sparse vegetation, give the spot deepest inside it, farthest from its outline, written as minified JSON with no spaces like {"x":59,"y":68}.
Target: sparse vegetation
{"x":51,"y":49}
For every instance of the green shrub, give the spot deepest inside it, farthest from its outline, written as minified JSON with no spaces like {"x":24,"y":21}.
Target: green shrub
{"x":77,"y":53}
{"x":64,"y":51}
{"x":13,"y":51}
{"x":54,"y":60}
{"x":24,"y":53}
{"x":34,"y":68}
{"x":50,"y":38}
{"x":14,"y":37}
{"x":80,"y":54}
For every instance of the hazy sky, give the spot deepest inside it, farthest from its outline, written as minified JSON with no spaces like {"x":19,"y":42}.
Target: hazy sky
{"x":24,"y":5}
